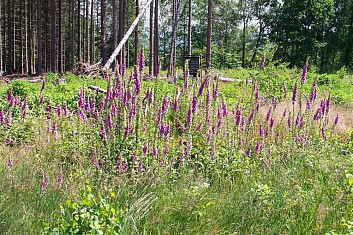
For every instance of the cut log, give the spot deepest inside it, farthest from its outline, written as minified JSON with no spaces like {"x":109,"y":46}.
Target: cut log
{"x":98,"y":89}
{"x":125,"y":38}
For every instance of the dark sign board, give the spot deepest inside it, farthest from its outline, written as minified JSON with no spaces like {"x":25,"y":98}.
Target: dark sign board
{"x":194,"y":64}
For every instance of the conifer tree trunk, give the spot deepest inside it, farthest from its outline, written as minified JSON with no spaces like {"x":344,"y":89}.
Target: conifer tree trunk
{"x":103,"y":32}
{"x":209,"y":33}
{"x":1,"y":64}
{"x":150,"y":72}
{"x":136,"y":33}
{"x":114,"y":28}
{"x":60,"y":49}
{"x":189,"y":27}
{"x":39,"y":37}
{"x":53,"y":37}
{"x":30,"y":37}
{"x":79,"y":30}
{"x":92,"y":35}
{"x":72,"y":34}
{"x":156,"y":40}
{"x":9,"y":38}
{"x":86,"y":31}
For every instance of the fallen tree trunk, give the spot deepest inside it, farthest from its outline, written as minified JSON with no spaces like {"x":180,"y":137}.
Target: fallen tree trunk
{"x":125,"y":38}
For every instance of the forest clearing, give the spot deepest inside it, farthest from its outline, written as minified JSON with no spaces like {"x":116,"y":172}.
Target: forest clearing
{"x":259,"y":141}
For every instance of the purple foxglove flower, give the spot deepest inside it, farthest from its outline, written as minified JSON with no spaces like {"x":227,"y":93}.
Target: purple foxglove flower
{"x":313,"y":94}
{"x":175,"y":79}
{"x":110,"y":122}
{"x":145,"y":148}
{"x":120,"y":163}
{"x":258,"y":148}
{"x":176,"y":105}
{"x":44,"y":184}
{"x":104,"y":134}
{"x":262,"y":131}
{"x":185,"y":86}
{"x":166,"y":151}
{"x":10,"y":163}
{"x":298,"y":120}
{"x":182,"y":158}
{"x":257,"y":94}
{"x":305,"y":70}
{"x":159,"y":117}
{"x":202,"y":87}
{"x":251,"y":117}
{"x":155,"y":151}
{"x":289,"y":122}
{"x":60,"y":179}
{"x":126,"y":167}
{"x":328,"y":103}
{"x":137,"y":82}
{"x":8,"y":120}
{"x":181,"y":126}
{"x":165,"y":105}
{"x":139,"y":170}
{"x":66,"y":112}
{"x":24,"y":105}
{"x":295,"y":92}
{"x":44,"y":85}
{"x":115,"y":110}
{"x":142,"y":61}
{"x":323,"y":107}
{"x":262,"y":64}
{"x":93,"y":105}
{"x":73,"y":133}
{"x":199,"y":127}
{"x":102,"y":105}
{"x":127,"y":131}
{"x":24,"y":114}
{"x":41,"y":100}
{"x":285,"y":113}
{"x":208,"y":96}
{"x":8,"y":141}
{"x":189,"y":118}
{"x":2,"y":116}
{"x":216,"y":91}
{"x":83,"y":116}
{"x":224,"y":109}
{"x":123,"y":66}
{"x":248,"y":152}
{"x":10,"y":96}
{"x":336,"y":121}
{"x":323,"y":133}
{"x":59,"y":110}
{"x":268,"y":114}
{"x":317,"y":115}
{"x":88,"y":106}
{"x":55,"y":131}
{"x":194,"y":104}
{"x":285,"y":90}
{"x":82,"y":100}
{"x":254,"y":83}
{"x":272,"y":121}
{"x":308,"y":104}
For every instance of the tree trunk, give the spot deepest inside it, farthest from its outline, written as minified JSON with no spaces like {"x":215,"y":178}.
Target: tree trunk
{"x":150,"y":69}
{"x":189,"y":27}
{"x":172,"y":54}
{"x":136,"y":34}
{"x":92,"y":35}
{"x":9,"y":38}
{"x":103,"y":32}
{"x":60,"y":49}
{"x":259,"y":36}
{"x":125,"y":38}
{"x":39,"y":37}
{"x":156,"y":65}
{"x":209,"y":33}
{"x":30,"y":37}
{"x":1,"y":20}
{"x":53,"y":37}
{"x":114,"y":29}
{"x":86,"y":31}
{"x":79,"y":45}
{"x":244,"y":35}
{"x":72,"y":33}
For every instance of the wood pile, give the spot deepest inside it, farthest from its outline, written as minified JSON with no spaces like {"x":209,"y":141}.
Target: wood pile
{"x":93,"y":71}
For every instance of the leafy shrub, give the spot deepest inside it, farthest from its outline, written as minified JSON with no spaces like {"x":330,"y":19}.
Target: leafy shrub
{"x":90,"y":216}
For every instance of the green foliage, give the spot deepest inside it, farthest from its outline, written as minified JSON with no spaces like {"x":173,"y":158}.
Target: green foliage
{"x":90,"y":216}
